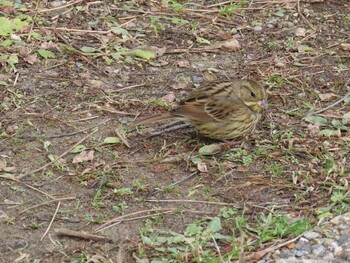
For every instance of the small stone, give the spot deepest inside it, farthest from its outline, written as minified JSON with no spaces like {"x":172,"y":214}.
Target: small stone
{"x":338,"y":251}
{"x":299,"y":253}
{"x":300,"y":32}
{"x":311,"y":235}
{"x":329,"y":257}
{"x":318,"y":249}
{"x":343,"y":227}
{"x":334,"y":245}
{"x":304,"y":245}
{"x":336,"y":220}
{"x":343,"y":240}
{"x":257,"y":28}
{"x":270,"y":25}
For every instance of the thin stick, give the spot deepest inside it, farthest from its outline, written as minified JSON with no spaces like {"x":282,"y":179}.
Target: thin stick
{"x":57,"y":158}
{"x":48,"y":202}
{"x":191,"y":201}
{"x":82,"y":235}
{"x":330,"y":106}
{"x":122,"y":137}
{"x":60,"y":7}
{"x":217,"y":249}
{"x":79,"y":131}
{"x":173,"y":184}
{"x":52,"y":219}
{"x":260,"y":254}
{"x":128,"y":87}
{"x":303,"y":17}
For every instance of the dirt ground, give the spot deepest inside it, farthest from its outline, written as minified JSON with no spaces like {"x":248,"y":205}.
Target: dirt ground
{"x":291,"y":165}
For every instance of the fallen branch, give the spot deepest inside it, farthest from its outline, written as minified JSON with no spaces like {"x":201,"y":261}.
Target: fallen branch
{"x":82,"y":235}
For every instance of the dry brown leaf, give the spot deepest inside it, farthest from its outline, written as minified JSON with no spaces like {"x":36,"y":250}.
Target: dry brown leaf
{"x":202,"y":167}
{"x":180,"y":85}
{"x":327,"y":96}
{"x":345,"y":46}
{"x":170,"y":97}
{"x":84,"y":156}
{"x":227,"y":45}
{"x":183,"y":63}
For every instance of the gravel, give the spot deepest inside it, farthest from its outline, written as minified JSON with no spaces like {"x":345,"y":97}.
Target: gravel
{"x":328,"y":242}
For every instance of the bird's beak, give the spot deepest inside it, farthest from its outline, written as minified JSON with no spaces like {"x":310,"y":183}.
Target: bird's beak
{"x":263,"y":104}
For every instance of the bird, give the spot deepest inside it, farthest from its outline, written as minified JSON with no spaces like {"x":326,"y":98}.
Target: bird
{"x":221,"y":110}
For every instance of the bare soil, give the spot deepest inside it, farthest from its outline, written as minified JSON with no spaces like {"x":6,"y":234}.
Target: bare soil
{"x":73,"y":93}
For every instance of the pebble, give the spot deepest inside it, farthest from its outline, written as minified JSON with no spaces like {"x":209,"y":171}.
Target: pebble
{"x":258,"y":28}
{"x":325,"y":243}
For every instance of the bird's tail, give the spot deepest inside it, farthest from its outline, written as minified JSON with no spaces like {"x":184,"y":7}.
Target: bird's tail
{"x":154,"y":118}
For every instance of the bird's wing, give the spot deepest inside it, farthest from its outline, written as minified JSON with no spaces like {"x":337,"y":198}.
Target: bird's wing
{"x":223,"y":108}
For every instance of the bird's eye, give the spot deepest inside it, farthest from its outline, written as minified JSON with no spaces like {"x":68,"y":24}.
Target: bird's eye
{"x":252,"y":94}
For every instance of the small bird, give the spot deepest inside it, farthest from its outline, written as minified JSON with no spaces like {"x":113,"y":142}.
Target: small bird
{"x":219,"y":110}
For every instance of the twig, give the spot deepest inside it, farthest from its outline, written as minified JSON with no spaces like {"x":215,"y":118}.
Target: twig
{"x":57,"y":158}
{"x":119,"y":219}
{"x":330,"y":106}
{"x":79,"y":131}
{"x":174,"y":184}
{"x":128,"y":87}
{"x":217,"y":249}
{"x":303,"y":17}
{"x":192,"y":201}
{"x":52,"y":219}
{"x":60,"y":7}
{"x":258,"y":255}
{"x":82,"y":235}
{"x":122,"y":137}
{"x":48,"y":202}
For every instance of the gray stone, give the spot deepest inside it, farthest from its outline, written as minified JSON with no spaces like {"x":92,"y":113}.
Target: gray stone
{"x":343,"y":240}
{"x":303,"y":244}
{"x":311,"y":235}
{"x":257,"y":28}
{"x":318,"y":249}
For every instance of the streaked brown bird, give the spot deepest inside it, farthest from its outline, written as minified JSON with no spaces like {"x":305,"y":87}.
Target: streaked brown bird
{"x":219,"y":110}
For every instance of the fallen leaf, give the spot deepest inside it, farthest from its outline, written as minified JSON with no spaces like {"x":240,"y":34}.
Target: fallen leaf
{"x":345,"y":46}
{"x":327,"y":96}
{"x":180,"y":85}
{"x":314,"y":129}
{"x":227,"y":45}
{"x":170,"y":97}
{"x":202,"y":167}
{"x":160,"y":168}
{"x":300,"y":32}
{"x":291,"y":245}
{"x":183,"y":63}
{"x":84,"y":156}
{"x":211,"y":149}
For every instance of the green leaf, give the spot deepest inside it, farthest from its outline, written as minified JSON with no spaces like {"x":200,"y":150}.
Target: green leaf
{"x":111,"y":140}
{"x":193,"y":229}
{"x":346,"y":118}
{"x":120,"y":31}
{"x":3,"y":83}
{"x":12,"y":59}
{"x":88,"y":49}
{"x":328,"y":133}
{"x":79,"y":148}
{"x":46,"y":53}
{"x":213,"y":226}
{"x":145,"y":54}
{"x":316,"y":120}
{"x":5,"y":26}
{"x":7,"y":42}
{"x":202,"y":41}
{"x":211,"y":149}
{"x":116,"y":56}
{"x":47,"y":144}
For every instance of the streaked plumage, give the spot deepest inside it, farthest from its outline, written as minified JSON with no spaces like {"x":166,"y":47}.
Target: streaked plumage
{"x":219,"y":110}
